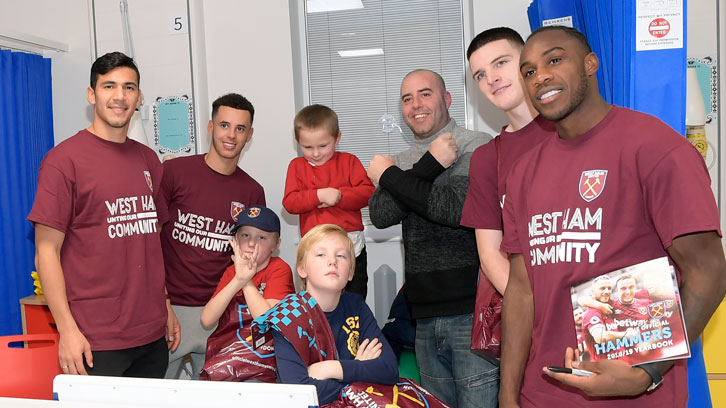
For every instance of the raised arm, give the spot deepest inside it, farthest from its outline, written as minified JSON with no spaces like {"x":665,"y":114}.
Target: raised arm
{"x":587,"y":301}
{"x":278,"y":284}
{"x":385,"y":210}
{"x":72,"y":345}
{"x":244,"y":269}
{"x":438,"y":202}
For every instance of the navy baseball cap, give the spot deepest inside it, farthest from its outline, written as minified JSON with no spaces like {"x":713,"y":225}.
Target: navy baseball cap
{"x":258,"y":217}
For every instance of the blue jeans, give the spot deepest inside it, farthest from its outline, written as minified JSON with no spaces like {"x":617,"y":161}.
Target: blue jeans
{"x":448,"y":367}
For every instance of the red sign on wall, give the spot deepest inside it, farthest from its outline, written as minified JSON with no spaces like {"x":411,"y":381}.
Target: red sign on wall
{"x":659,"y":27}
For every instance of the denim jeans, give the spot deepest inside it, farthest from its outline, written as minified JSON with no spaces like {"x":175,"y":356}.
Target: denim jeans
{"x":448,"y":367}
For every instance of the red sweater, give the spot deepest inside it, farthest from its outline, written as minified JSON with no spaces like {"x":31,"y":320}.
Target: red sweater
{"x":343,"y":171}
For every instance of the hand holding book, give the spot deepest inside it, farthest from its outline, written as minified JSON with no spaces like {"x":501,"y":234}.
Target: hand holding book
{"x":609,"y":377}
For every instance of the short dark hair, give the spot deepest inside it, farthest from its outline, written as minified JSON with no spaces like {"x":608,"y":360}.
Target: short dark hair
{"x":494,"y":34}
{"x":234,"y":101}
{"x":316,"y":117}
{"x":572,"y":32}
{"x":623,"y":277}
{"x":112,"y":60}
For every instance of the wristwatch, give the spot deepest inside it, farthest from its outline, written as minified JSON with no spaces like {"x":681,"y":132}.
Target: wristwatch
{"x":654,"y":375}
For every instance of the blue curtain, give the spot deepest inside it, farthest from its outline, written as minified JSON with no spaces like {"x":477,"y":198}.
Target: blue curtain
{"x":650,"y":81}
{"x":26,"y":135}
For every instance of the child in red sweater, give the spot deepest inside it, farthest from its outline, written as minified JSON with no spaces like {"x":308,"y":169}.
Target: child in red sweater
{"x":328,"y":187}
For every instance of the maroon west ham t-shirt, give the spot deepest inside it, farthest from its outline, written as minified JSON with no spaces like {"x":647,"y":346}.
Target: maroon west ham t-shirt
{"x":616,"y":196}
{"x":203,"y":208}
{"x":103,"y":196}
{"x":482,"y":208}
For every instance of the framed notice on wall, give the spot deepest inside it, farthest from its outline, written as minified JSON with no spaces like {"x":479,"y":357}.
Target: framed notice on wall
{"x":174,"y":127}
{"x":707,"y":71}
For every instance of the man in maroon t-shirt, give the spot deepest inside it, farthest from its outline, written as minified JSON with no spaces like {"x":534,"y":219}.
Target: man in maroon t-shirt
{"x":204,"y":194}
{"x":494,"y":59}
{"x":97,"y":220}
{"x":607,"y":193}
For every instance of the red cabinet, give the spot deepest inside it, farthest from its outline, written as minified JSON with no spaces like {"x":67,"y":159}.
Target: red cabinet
{"x":36,"y":315}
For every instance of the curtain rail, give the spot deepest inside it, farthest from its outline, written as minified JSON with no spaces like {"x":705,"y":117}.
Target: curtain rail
{"x":30,"y":43}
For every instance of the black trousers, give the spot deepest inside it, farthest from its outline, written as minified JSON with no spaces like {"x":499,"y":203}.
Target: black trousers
{"x":359,"y":284}
{"x":147,"y":361}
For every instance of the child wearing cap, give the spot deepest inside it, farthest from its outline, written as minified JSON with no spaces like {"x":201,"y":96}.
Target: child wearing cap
{"x":248,"y":288}
{"x":328,"y":187}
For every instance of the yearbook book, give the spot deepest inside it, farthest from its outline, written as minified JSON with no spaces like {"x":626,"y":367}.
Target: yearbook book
{"x":633,"y":314}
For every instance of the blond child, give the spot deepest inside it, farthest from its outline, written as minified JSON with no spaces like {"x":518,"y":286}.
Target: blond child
{"x":323,"y":335}
{"x":328,"y":187}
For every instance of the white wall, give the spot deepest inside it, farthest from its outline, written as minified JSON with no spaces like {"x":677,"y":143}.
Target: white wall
{"x":163,"y":57}
{"x":66,"y":22}
{"x":248,"y":51}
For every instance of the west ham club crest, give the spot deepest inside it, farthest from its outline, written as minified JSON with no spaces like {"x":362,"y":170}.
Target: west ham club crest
{"x":592,"y":183}
{"x":253,"y":212}
{"x":147,"y":176}
{"x":236,"y":209}
{"x":659,"y":310}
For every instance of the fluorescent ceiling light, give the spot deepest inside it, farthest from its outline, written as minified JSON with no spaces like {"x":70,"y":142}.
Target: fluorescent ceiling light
{"x":361,"y":53}
{"x":320,"y":6}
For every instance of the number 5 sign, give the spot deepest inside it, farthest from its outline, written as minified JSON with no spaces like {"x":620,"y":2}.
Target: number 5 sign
{"x":178,"y":24}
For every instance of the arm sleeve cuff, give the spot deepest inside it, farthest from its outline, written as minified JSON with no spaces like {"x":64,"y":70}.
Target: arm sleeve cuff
{"x":427,"y":167}
{"x":409,"y":189}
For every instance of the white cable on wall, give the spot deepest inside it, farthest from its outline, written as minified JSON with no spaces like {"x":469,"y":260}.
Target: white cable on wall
{"x":136,"y":128}
{"x":128,"y":45}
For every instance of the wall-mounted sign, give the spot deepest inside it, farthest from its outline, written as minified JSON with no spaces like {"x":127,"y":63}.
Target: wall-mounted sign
{"x":174,"y":126}
{"x":707,"y":71}
{"x":659,"y":24}
{"x":178,"y":24}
